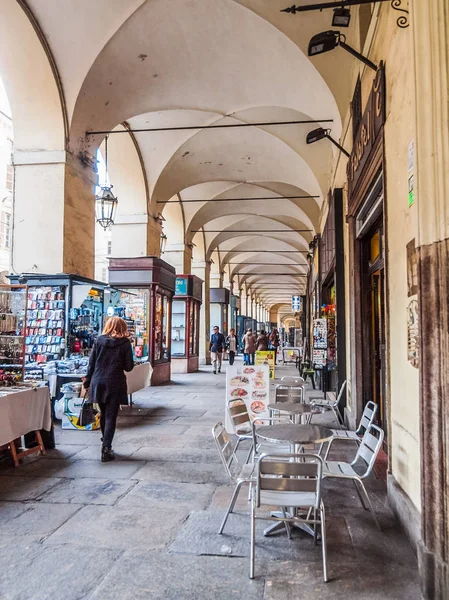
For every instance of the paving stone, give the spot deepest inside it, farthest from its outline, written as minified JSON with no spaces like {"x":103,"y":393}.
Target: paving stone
{"x":36,"y":467}
{"x":121,"y":452}
{"x":17,"y":488}
{"x":53,"y":572}
{"x":117,"y":469}
{"x":155,"y":576}
{"x":296,"y":580}
{"x":36,"y":519}
{"x":62,"y":451}
{"x":189,"y":496}
{"x":120,"y":527}
{"x":143,"y":432}
{"x":182,"y":472}
{"x":67,"y":437}
{"x":223,"y":495}
{"x":144,"y":441}
{"x":199,"y":536}
{"x":87,"y":491}
{"x":176,"y":455}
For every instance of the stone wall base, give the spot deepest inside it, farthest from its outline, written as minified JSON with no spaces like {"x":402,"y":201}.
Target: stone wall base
{"x":405,"y":512}
{"x":434,"y":574}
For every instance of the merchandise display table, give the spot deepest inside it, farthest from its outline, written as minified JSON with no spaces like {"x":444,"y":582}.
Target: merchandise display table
{"x":23,"y":411}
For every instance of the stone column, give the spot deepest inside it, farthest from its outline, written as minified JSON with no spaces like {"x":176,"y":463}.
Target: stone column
{"x":202,"y":270}
{"x":430,"y":21}
{"x":54,"y":213}
{"x":243,"y":303}
{"x":180,"y":257}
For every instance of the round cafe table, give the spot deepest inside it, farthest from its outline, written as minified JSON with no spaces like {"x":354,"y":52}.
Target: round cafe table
{"x":295,"y":410}
{"x":297,"y":436}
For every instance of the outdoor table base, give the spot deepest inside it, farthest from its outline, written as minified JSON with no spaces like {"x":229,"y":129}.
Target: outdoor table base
{"x":297,"y":436}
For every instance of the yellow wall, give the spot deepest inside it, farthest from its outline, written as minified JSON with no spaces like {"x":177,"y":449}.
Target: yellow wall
{"x":385,"y":41}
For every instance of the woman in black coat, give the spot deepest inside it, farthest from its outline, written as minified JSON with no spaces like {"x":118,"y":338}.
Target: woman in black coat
{"x":106,"y":380}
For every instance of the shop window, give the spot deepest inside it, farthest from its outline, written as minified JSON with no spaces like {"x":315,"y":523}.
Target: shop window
{"x":375,"y":247}
{"x":356,"y":108}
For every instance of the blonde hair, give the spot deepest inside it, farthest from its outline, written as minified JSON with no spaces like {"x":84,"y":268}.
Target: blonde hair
{"x":116,"y":327}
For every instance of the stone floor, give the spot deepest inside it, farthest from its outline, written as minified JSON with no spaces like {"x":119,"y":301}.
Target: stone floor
{"x":145,"y":526}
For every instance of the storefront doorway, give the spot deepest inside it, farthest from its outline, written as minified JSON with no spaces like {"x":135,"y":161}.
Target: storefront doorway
{"x":373,"y":315}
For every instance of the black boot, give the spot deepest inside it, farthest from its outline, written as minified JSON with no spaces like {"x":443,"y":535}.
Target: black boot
{"x":107,"y":454}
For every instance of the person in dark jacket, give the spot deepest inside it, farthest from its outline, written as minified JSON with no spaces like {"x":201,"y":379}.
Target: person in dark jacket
{"x":217,"y":346}
{"x":106,"y":380}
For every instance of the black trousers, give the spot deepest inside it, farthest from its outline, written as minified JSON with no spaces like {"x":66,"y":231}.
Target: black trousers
{"x":108,"y":420}
{"x":231,"y":357}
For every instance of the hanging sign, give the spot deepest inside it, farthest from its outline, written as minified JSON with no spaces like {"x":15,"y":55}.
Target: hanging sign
{"x":296,"y":304}
{"x":249,"y":385}
{"x":320,"y":334}
{"x":266,"y":357}
{"x":413,"y":334}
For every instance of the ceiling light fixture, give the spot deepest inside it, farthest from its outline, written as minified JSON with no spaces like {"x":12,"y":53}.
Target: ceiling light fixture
{"x":105,"y":201}
{"x":328,"y":40}
{"x":319,"y":134}
{"x":341,"y":17}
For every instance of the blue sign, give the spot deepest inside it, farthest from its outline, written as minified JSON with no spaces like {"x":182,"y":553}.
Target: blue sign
{"x":297,"y":303}
{"x":181,"y":286}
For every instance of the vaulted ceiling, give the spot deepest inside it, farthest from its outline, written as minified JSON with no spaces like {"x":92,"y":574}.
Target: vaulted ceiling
{"x":177,"y":63}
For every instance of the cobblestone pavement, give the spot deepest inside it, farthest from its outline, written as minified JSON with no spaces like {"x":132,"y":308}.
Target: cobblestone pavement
{"x":145,"y":526}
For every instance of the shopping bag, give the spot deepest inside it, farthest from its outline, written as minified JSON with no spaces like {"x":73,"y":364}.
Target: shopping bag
{"x":88,"y":413}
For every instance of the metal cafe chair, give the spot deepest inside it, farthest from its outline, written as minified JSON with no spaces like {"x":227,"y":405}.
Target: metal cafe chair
{"x":367,"y":453}
{"x":241,"y":421}
{"x":289,"y":393}
{"x":238,"y":474}
{"x":343,"y":435}
{"x":331,"y":404}
{"x":294,"y":481}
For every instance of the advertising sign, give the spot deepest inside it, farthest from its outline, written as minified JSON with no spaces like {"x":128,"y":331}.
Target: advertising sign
{"x":181,"y":286}
{"x":266,"y":357}
{"x":296,"y":303}
{"x":249,"y":385}
{"x":319,"y":358}
{"x":320,"y":334}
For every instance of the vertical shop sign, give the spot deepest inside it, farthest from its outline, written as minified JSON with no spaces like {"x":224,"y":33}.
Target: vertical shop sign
{"x":413,"y":334}
{"x":266,"y":357}
{"x":250,"y":386}
{"x":296,"y":304}
{"x":319,"y":354}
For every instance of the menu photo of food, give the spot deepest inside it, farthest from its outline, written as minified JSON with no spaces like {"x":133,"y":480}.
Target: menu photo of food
{"x":251,"y":385}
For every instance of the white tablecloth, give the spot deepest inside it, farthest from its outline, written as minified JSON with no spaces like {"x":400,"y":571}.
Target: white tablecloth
{"x":139,"y":377}
{"x":21,"y":412}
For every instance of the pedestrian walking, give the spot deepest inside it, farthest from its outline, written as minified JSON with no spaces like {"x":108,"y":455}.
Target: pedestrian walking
{"x":262,"y":342}
{"x":217,"y":346}
{"x":106,"y":380}
{"x":249,"y":347}
{"x":274,"y":341}
{"x":231,"y":346}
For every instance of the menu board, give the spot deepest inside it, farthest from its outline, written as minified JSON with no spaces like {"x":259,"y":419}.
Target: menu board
{"x":248,"y":385}
{"x":266,"y":357}
{"x":319,"y":358}
{"x":320,"y":333}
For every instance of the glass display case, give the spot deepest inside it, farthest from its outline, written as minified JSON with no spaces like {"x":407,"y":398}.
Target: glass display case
{"x":185,"y":328}
{"x":151,"y":278}
{"x":13,"y":305}
{"x":132,"y":305}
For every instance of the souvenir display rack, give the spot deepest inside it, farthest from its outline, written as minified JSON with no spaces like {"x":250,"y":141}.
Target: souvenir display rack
{"x":185,"y":324}
{"x":45,"y":324}
{"x":13,"y":308}
{"x":132,"y":306}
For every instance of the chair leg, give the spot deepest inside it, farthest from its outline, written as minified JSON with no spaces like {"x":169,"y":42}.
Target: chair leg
{"x":253,"y":539}
{"x":230,"y":506}
{"x":362,"y":502}
{"x":336,"y":415}
{"x":286,"y":523}
{"x":370,"y":506}
{"x":249,"y":454}
{"x":323,"y":541}
{"x":328,"y":449}
{"x":315,"y":528}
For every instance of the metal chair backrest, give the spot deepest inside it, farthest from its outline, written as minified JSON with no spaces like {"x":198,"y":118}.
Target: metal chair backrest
{"x":369,"y":448}
{"x":288,"y":393}
{"x":368,"y":416}
{"x":238,"y":414}
{"x":340,"y":393}
{"x":290,"y":380}
{"x":225,"y":448}
{"x":288,"y":478}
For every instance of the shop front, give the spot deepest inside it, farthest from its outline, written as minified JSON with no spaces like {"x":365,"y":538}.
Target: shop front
{"x":185,"y":329}
{"x":219,"y":303}
{"x":367,"y":239}
{"x":149,"y":282}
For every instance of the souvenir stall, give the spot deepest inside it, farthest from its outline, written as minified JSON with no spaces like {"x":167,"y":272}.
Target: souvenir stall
{"x":150,"y":282}
{"x":64,"y":316}
{"x":185,"y":331}
{"x":219,"y":302}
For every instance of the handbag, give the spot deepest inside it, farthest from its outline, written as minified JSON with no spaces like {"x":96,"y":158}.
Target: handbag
{"x":87,"y":414}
